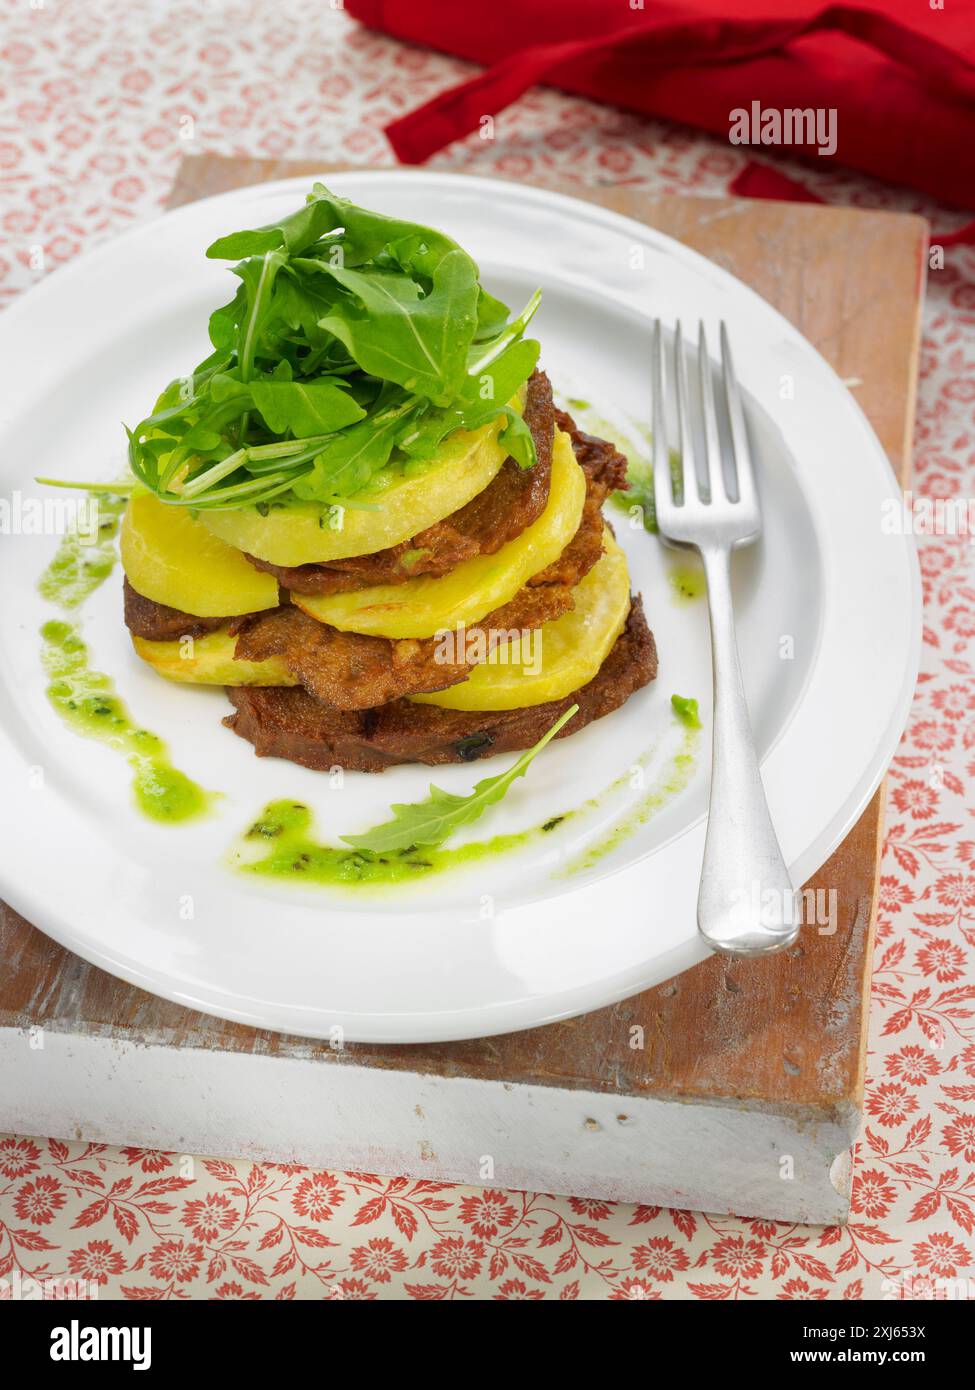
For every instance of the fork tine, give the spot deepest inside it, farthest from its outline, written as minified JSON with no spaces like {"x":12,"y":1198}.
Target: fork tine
{"x":662,"y":481}
{"x":713,"y":473}
{"x":740,"y":448}
{"x":685,"y":441}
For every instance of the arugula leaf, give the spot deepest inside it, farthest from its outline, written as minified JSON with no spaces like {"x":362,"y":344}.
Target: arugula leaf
{"x":483,"y":353}
{"x":496,"y":385}
{"x":300,"y":300}
{"x":395,"y":332}
{"x":355,"y":336}
{"x":305,"y":407}
{"x":483,"y":399}
{"x":347,"y":463}
{"x":227,"y":386}
{"x":258,"y":277}
{"x":364,"y":233}
{"x":223,"y":321}
{"x":293,"y":233}
{"x":517,"y":439}
{"x":492,"y":315}
{"x":430,"y":822}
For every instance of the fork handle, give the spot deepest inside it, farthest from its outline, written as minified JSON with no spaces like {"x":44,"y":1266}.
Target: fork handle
{"x":746,"y":904}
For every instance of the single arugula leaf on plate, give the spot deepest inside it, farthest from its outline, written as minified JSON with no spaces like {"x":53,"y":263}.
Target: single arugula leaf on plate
{"x":430,"y":822}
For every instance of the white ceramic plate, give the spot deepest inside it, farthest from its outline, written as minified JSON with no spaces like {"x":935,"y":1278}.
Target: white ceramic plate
{"x":517,"y":941}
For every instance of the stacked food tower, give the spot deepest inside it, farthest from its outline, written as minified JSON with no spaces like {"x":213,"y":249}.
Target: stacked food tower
{"x":365,"y":517}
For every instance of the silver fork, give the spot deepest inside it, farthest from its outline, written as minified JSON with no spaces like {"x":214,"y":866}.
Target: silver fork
{"x":745,"y":905}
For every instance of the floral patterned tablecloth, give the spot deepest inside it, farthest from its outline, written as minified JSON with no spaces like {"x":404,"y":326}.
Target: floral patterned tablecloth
{"x":98,"y":103}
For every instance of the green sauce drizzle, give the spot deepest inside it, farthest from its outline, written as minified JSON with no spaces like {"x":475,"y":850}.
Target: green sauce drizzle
{"x":281,"y":844}
{"x":639,"y":474}
{"x":687,"y":582}
{"x":638,"y":497}
{"x":86,"y":701}
{"x":82,"y":564}
{"x":679,"y":773}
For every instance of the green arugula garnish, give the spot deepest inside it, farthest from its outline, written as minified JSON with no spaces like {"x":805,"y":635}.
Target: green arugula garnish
{"x":430,"y":822}
{"x":305,"y":407}
{"x":353,"y":340}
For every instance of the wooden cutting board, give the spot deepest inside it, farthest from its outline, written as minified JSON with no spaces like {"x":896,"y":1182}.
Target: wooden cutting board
{"x":733,"y":1087}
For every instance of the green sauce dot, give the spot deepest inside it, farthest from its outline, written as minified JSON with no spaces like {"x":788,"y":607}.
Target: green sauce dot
{"x":686,"y":711}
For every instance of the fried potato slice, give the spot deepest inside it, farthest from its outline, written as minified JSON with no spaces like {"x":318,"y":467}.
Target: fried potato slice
{"x":429,"y":604}
{"x":405,"y":498}
{"x":210,"y":660}
{"x":172,"y":559}
{"x":557,"y":658}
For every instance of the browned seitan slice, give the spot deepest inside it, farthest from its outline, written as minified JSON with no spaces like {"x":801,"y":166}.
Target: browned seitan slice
{"x":290,"y":723}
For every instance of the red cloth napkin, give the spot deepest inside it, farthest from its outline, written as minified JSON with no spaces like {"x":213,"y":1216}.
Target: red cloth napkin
{"x":759,"y":181}
{"x":899,"y":74}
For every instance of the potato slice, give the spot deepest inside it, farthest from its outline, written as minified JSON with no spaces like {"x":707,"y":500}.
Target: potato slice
{"x":569,"y":650}
{"x":427,"y":605}
{"x":170,"y":558}
{"x":210,"y":660}
{"x":407,"y":498}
